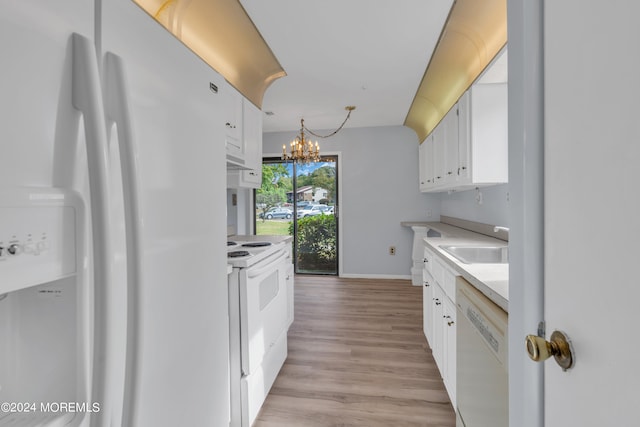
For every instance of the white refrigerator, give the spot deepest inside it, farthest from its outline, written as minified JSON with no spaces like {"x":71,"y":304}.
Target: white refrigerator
{"x":113,"y":286}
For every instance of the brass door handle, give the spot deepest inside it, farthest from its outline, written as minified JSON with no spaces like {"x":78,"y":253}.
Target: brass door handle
{"x":559,"y":347}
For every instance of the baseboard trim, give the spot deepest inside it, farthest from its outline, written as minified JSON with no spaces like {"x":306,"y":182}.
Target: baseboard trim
{"x":375,"y":276}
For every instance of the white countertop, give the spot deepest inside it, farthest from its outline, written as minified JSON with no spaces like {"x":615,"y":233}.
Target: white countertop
{"x":490,"y":279}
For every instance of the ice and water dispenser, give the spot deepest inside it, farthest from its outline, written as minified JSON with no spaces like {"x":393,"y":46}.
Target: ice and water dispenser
{"x":44,"y":307}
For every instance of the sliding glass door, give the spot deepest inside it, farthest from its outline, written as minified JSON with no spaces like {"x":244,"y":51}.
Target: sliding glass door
{"x":300,"y":199}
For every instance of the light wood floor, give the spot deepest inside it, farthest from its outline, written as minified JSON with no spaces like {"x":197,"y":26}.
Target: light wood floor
{"x":357,"y":357}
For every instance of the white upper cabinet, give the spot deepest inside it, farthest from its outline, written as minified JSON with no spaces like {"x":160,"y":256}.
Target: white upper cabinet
{"x":470,"y":144}
{"x":232,"y":118}
{"x":439,"y":155}
{"x":450,"y":124}
{"x":243,"y":141}
{"x":483,"y":136}
{"x":425,"y":158}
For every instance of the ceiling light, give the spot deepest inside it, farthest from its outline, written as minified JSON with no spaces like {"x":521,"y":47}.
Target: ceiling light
{"x":302,"y":149}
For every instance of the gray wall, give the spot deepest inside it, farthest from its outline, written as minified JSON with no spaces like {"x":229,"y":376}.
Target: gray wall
{"x":464,"y":205}
{"x":379,"y":182}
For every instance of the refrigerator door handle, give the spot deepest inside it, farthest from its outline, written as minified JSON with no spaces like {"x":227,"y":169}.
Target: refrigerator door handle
{"x":87,"y":98}
{"x":117,"y":109}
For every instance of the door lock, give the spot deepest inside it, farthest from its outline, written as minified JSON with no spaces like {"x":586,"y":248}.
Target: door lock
{"x":559,"y":347}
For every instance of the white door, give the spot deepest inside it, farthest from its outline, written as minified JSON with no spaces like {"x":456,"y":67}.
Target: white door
{"x":592,"y":209}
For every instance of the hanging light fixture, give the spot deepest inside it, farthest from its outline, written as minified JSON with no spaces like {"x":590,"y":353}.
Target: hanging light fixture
{"x":302,"y":150}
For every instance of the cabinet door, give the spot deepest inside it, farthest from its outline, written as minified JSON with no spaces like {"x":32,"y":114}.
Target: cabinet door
{"x":438,"y":155}
{"x":464,"y":139}
{"x":232,"y":101}
{"x":427,"y":306}
{"x":449,"y":325}
{"x":422,"y":165}
{"x":438,"y":328}
{"x":451,"y":146}
{"x":252,"y":135}
{"x":489,"y":133}
{"x":425,"y":153}
{"x":290,"y":294}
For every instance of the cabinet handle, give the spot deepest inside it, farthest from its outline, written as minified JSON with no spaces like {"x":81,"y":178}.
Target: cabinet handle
{"x":425,"y":260}
{"x":229,"y":125}
{"x":449,"y":173}
{"x":450,"y":322}
{"x":428,"y":180}
{"x":426,"y":284}
{"x":464,"y":168}
{"x":437,"y":301}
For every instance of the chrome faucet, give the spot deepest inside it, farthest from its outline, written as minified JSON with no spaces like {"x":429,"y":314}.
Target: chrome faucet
{"x":498,"y":228}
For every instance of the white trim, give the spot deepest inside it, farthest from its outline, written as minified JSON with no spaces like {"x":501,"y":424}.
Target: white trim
{"x":375,"y":276}
{"x":526,"y":207}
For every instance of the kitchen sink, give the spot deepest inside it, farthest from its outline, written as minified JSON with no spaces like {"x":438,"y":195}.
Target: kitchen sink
{"x":478,"y":254}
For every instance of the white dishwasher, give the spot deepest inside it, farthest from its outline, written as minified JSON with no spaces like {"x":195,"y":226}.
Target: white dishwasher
{"x":482,"y":371}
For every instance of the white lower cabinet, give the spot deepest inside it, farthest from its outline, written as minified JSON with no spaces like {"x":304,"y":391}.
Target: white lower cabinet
{"x":427,"y":295}
{"x":439,"y":318}
{"x":449,"y":326}
{"x":437,"y":347}
{"x":290,"y":290}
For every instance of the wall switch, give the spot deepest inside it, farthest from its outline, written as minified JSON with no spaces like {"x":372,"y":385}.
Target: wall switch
{"x":392,"y":250}
{"x":429,"y":213}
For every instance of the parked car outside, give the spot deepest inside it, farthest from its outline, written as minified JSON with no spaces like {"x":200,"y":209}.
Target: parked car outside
{"x":315,"y":210}
{"x":304,"y":204}
{"x":277,"y":213}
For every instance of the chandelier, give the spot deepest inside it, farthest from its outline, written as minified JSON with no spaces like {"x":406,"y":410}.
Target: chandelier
{"x":302,"y":150}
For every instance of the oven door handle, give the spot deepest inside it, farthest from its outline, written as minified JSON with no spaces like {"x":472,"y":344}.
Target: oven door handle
{"x":251,"y":273}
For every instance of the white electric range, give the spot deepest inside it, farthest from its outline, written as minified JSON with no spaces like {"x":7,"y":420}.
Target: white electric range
{"x":260,"y":312}
{"x":244,"y":253}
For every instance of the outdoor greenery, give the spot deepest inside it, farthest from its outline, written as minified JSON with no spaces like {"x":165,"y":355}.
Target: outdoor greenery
{"x":275,"y":184}
{"x":323,"y":177}
{"x":316,"y":249}
{"x":273,"y":228}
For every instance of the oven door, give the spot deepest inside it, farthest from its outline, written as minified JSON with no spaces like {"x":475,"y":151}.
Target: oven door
{"x":263,"y":309}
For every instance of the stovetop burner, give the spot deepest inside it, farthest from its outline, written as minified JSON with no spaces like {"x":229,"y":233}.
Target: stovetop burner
{"x":256,"y":244}
{"x":237,"y":254}
{"x":230,"y":243}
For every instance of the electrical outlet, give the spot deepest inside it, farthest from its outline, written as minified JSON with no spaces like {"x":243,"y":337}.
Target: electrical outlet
{"x":392,"y":250}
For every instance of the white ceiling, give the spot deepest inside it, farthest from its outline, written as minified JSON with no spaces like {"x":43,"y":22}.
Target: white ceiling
{"x":371,"y":54}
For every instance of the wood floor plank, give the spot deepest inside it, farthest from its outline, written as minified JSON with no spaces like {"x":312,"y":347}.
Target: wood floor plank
{"x":357,"y":357}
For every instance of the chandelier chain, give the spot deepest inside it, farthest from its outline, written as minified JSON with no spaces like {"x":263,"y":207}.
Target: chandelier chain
{"x":350,"y":109}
